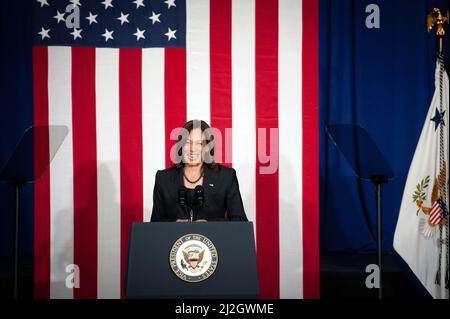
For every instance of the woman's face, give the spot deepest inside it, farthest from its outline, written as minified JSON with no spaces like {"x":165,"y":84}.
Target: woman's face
{"x":194,"y":148}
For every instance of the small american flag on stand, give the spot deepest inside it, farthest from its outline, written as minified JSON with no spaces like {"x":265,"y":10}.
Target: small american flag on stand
{"x":438,"y":211}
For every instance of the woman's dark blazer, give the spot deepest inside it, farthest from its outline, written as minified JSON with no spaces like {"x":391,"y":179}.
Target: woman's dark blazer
{"x":221,"y":194}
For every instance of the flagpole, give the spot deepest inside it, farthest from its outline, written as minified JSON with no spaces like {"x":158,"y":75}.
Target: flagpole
{"x":436,"y":18}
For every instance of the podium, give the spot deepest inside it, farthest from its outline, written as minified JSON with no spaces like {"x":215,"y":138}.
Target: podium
{"x":192,"y":260}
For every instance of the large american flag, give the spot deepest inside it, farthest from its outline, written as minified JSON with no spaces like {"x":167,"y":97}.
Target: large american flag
{"x":121,"y":75}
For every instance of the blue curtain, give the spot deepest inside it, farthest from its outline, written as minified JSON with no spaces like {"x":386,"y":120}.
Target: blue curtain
{"x":383,"y":79}
{"x":16,"y":113}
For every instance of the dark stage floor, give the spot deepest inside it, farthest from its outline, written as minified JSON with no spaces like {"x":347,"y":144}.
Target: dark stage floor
{"x":343,"y":276}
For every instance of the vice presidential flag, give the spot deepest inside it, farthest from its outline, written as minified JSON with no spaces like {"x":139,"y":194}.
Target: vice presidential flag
{"x":421,"y":236}
{"x":121,"y":75}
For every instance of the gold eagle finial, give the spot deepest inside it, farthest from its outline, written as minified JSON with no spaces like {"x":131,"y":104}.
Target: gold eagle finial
{"x":435,"y":17}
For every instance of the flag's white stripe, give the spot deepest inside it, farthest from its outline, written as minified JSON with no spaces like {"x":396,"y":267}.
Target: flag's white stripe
{"x":434,"y":216}
{"x":197,"y":60}
{"x":434,"y":209}
{"x":243,"y":99}
{"x":61,"y":171}
{"x":152,"y":121}
{"x":290,"y":147}
{"x":434,"y":213}
{"x":108,"y":171}
{"x":435,"y":219}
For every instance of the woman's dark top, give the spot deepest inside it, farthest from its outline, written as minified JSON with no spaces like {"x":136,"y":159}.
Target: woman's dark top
{"x":221,"y":195}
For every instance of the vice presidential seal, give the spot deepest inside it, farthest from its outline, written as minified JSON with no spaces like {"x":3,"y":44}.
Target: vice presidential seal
{"x":193,"y":258}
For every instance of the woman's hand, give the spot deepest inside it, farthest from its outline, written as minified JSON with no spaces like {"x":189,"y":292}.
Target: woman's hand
{"x":201,"y":220}
{"x":182,"y":220}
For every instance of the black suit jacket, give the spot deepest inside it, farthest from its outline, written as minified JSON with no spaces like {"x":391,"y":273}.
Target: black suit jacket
{"x":221,"y":194}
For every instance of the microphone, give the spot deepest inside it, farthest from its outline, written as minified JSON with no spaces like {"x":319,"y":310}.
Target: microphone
{"x":182,"y":197}
{"x":199,"y":199}
{"x":199,"y":196}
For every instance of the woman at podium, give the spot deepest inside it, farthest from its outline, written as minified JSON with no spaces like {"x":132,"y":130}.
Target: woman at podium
{"x":196,"y":188}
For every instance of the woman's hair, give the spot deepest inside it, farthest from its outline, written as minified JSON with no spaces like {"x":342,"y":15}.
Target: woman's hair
{"x":209,"y":139}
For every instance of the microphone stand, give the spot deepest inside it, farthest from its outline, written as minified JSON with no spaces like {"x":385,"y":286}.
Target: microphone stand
{"x":182,"y":203}
{"x":199,"y":201}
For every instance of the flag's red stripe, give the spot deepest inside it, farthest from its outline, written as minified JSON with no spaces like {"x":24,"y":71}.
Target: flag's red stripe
{"x":435,"y":220}
{"x":130,"y":104}
{"x":220,"y":65}
{"x":435,"y":214}
{"x":267,"y":222}
{"x":310,"y":103}
{"x":42,"y":186}
{"x":174,"y":94}
{"x":85,"y":170}
{"x":435,"y":207}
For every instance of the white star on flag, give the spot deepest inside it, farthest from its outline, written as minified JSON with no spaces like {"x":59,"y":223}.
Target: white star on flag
{"x":59,"y":16}
{"x":154,"y":17}
{"x":75,"y":3}
{"x":123,"y":18}
{"x":44,"y":33}
{"x":43,"y":3}
{"x":170,"y":3}
{"x":108,"y":35}
{"x":107,"y":4}
{"x":139,"y":34}
{"x":76,"y":33}
{"x":170,"y":34}
{"x":92,"y":18}
{"x":139,"y":3}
